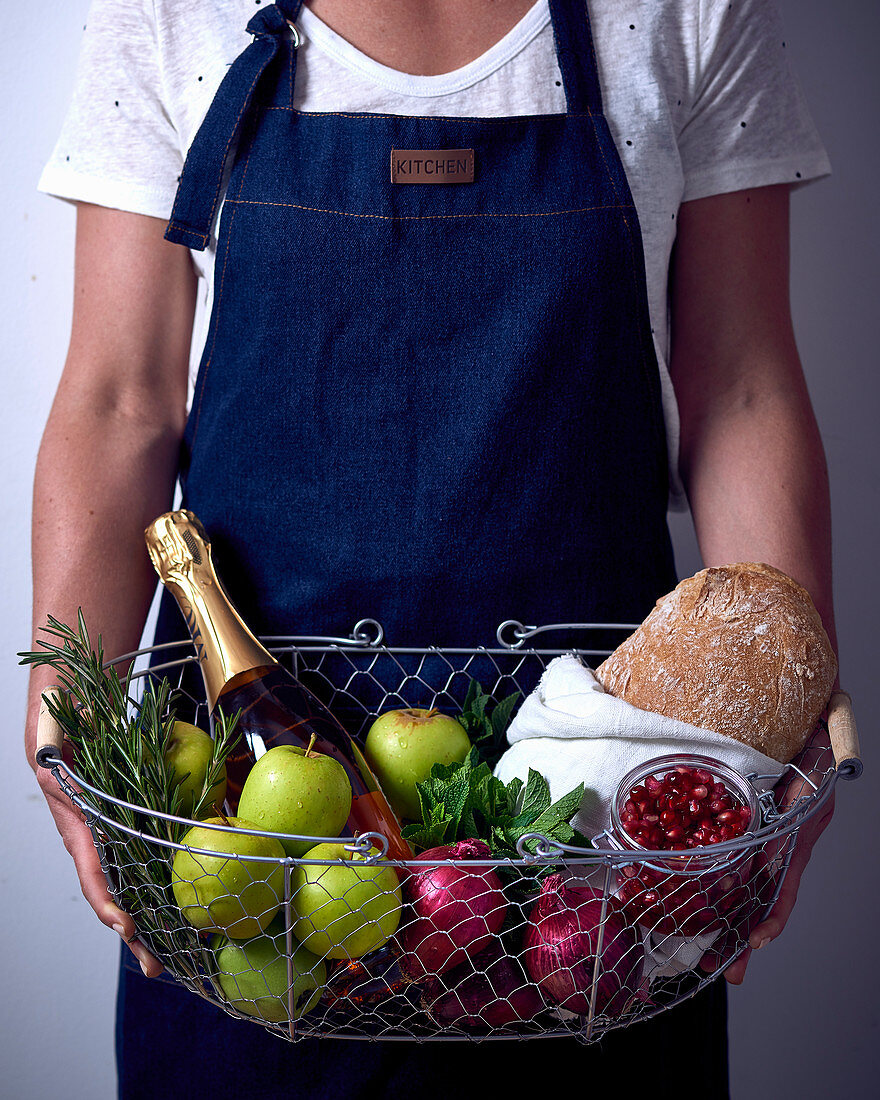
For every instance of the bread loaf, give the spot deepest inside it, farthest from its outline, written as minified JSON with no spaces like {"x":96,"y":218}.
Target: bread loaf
{"x":738,"y":649}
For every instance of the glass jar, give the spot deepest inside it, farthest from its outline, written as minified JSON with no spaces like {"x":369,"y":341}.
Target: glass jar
{"x":687,"y":888}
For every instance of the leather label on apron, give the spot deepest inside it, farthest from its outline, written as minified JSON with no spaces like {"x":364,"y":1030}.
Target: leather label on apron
{"x":432,"y":166}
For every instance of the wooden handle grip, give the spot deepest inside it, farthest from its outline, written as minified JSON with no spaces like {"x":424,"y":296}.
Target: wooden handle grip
{"x":50,"y":736}
{"x":844,"y":735}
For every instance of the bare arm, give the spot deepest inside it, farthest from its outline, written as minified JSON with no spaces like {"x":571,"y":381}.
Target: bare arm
{"x":107,"y":464}
{"x":751,"y":457}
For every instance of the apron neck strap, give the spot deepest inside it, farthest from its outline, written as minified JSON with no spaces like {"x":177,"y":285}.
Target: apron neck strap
{"x":576,"y":56}
{"x":201,"y":182}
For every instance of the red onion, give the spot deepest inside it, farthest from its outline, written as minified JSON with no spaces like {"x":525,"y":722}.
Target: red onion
{"x":562,"y":944}
{"x":490,"y":991}
{"x":454,"y":911}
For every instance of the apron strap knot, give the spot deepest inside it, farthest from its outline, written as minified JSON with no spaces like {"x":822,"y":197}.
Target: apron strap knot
{"x":268,"y":22}
{"x":201,"y":183}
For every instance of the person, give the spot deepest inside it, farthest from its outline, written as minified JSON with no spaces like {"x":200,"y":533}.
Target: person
{"x":439,"y":405}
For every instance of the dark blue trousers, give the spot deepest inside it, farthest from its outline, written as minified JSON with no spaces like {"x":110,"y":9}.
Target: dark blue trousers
{"x":179,"y":1047}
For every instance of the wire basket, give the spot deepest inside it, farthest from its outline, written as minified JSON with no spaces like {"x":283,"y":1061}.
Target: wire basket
{"x":333,"y":948}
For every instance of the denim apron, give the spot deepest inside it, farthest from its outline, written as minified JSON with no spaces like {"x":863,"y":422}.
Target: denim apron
{"x":436,"y":404}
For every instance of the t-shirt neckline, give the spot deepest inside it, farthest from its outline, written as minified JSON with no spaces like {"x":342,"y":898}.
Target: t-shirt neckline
{"x":334,"y":45}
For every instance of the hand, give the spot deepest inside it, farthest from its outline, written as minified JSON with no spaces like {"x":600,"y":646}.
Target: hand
{"x":78,"y":842}
{"x":762,"y":873}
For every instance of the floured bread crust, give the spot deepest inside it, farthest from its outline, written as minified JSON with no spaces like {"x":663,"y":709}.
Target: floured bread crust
{"x":738,"y":649}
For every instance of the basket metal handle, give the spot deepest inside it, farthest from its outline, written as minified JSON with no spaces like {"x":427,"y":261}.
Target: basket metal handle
{"x":844,"y":736}
{"x":50,"y":735}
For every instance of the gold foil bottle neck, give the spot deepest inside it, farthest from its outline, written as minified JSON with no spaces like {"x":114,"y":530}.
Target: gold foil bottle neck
{"x":181,"y":553}
{"x":177,"y":543}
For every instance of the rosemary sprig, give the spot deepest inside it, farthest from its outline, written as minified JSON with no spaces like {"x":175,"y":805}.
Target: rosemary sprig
{"x":119,"y":744}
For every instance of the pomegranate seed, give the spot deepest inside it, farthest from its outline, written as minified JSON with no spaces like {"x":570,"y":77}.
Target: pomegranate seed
{"x":700,"y":792}
{"x":668,"y":817}
{"x":728,"y":817}
{"x":651,"y":819}
{"x":675,"y":833}
{"x":719,"y":805}
{"x":694,"y":806}
{"x":703,"y":776}
{"x":653,"y":784}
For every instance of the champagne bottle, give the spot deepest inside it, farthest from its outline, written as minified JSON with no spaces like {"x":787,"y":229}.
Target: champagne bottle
{"x":241,"y":675}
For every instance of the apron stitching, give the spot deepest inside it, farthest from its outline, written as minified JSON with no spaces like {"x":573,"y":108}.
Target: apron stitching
{"x":427,"y":118}
{"x":231,"y":138}
{"x":208,"y":361}
{"x":595,"y":63}
{"x":425,"y":217}
{"x":204,"y":372}
{"x":646,"y":358}
{"x":174,"y":224}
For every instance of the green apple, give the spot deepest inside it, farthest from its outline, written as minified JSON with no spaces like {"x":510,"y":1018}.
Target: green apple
{"x":344,"y":910}
{"x":403,"y":745}
{"x":236,"y":896}
{"x":254,"y":977}
{"x":189,"y":752}
{"x":294,"y":790}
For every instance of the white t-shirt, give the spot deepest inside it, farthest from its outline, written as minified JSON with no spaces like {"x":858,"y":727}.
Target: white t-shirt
{"x":699,"y":95}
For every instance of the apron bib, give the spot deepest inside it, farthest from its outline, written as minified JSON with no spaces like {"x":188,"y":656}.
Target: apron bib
{"x":432,"y":404}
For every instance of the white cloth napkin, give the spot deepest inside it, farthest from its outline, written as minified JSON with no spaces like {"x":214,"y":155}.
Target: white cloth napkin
{"x":571,"y":731}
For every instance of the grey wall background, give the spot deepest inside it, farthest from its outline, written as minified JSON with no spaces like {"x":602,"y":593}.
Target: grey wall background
{"x":805,"y":1023}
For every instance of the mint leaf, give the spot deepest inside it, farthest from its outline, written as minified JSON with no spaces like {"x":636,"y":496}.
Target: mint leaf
{"x":535,"y":798}
{"x":514,"y":788}
{"x":501,"y":716}
{"x":553,"y":823}
{"x":486,"y":731}
{"x":431,"y":833}
{"x":449,"y":785}
{"x":561,"y":811}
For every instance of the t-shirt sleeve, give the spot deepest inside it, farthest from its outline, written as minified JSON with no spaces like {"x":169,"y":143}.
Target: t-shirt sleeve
{"x":118,"y":146}
{"x":749,"y":124}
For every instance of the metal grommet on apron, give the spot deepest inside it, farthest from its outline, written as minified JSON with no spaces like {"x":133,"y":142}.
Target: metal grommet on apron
{"x":428,"y":395}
